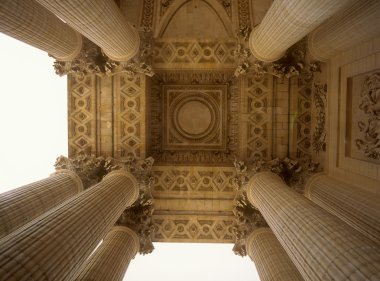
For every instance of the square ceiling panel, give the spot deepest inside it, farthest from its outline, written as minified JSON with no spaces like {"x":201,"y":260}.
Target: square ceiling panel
{"x":194,"y":117}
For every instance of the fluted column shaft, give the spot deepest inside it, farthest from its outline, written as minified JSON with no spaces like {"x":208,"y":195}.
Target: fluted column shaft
{"x":288,"y":21}
{"x":271,"y":260}
{"x":23,"y":204}
{"x":356,"y":207}
{"x":54,"y":246}
{"x":102,"y":22}
{"x":321,"y":246}
{"x":110,"y":261}
{"x":351,"y":26}
{"x":32,"y":24}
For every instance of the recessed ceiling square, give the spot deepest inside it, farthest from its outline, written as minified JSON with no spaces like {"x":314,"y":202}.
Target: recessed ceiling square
{"x":194,"y":117}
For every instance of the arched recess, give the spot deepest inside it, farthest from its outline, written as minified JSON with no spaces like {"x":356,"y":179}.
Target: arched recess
{"x":178,"y":4}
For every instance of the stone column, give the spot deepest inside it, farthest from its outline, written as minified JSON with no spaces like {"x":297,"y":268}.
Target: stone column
{"x":270,"y":258}
{"x":55,"y":246}
{"x":23,"y":204}
{"x":110,"y":261}
{"x":351,"y":26}
{"x":288,"y":21}
{"x":321,"y":245}
{"x":102,"y":22}
{"x":32,"y":24}
{"x":356,"y":207}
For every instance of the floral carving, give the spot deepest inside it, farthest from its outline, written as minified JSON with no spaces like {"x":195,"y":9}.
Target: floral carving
{"x":247,"y":219}
{"x":92,"y":60}
{"x":139,"y":218}
{"x":293,"y":63}
{"x":294,"y":172}
{"x":140,"y":168}
{"x":369,"y":142}
{"x":319,"y":135}
{"x":89,"y":168}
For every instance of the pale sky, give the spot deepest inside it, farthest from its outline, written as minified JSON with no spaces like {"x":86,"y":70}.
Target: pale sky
{"x":33,"y":126}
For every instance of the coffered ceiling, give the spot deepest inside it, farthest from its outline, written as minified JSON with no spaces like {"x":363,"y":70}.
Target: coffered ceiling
{"x":194,"y":116}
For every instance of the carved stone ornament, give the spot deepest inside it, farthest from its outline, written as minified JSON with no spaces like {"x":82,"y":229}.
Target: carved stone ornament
{"x":294,"y":172}
{"x":369,"y":127}
{"x":320,"y":102}
{"x":140,"y":168}
{"x":138,"y":217}
{"x":89,"y":168}
{"x":293,"y":63}
{"x":92,"y":169}
{"x":92,"y":60}
{"x":247,"y":219}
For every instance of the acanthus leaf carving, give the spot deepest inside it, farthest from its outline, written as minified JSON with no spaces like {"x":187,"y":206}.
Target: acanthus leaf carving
{"x":293,"y":63}
{"x":247,"y":219}
{"x":92,"y":60}
{"x":294,"y":172}
{"x":140,"y":168}
{"x":320,"y":100}
{"x":89,"y":168}
{"x":369,"y":141}
{"x":138,"y":217}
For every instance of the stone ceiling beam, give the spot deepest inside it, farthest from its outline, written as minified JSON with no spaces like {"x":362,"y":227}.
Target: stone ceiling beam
{"x":102,"y":22}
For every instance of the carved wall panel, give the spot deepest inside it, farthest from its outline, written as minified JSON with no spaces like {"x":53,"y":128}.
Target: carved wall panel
{"x":194,"y":117}
{"x":193,"y":179}
{"x":217,"y":149}
{"x":192,"y":54}
{"x":319,"y":117}
{"x":301,"y":103}
{"x":129,"y":123}
{"x":244,"y":14}
{"x":256,"y":117}
{"x":147,"y":15}
{"x":185,"y":228}
{"x":82,"y":113}
{"x":363,"y":129}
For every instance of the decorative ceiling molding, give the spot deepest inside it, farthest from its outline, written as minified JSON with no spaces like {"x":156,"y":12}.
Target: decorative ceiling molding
{"x":130,"y":119}
{"x":169,"y":8}
{"x":193,"y":180}
{"x":193,"y":228}
{"x":194,"y":117}
{"x":193,"y":156}
{"x":82,"y":114}
{"x":193,"y":54}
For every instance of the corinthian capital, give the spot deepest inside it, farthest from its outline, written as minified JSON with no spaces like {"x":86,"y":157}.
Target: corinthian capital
{"x":89,"y":168}
{"x":247,"y":219}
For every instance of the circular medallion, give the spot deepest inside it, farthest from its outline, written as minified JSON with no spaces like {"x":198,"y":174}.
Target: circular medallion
{"x":194,"y":117}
